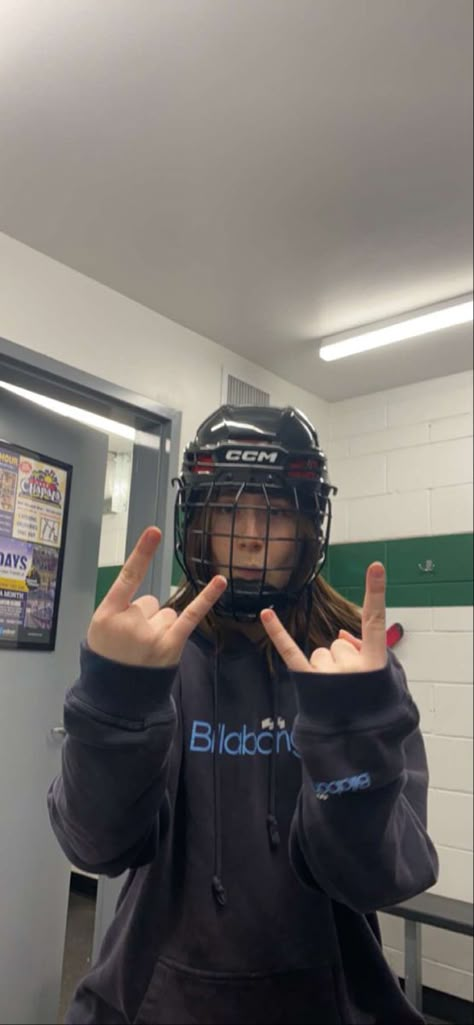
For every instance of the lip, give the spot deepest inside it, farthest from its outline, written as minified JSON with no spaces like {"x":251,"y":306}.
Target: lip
{"x":249,"y":574}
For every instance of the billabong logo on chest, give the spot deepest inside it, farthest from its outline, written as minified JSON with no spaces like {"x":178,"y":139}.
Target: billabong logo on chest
{"x":244,"y":741}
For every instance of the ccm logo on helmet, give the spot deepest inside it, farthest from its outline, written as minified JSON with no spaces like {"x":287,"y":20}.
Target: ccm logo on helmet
{"x":342,"y":786}
{"x":250,"y":455}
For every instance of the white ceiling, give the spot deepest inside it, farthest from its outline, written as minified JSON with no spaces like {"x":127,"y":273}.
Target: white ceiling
{"x":265,"y":172}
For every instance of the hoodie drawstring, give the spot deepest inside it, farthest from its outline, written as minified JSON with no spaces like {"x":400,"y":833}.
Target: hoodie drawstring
{"x":306,"y":643}
{"x":218,"y":890}
{"x":272,"y":824}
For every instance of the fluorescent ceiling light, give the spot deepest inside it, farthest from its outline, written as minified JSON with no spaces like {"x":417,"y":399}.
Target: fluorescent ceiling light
{"x":100,"y":423}
{"x":458,"y":311}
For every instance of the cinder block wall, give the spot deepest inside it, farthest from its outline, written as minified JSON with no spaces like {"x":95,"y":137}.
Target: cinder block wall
{"x":403,"y":463}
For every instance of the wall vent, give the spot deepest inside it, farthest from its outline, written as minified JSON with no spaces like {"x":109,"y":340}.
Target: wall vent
{"x":240,"y":393}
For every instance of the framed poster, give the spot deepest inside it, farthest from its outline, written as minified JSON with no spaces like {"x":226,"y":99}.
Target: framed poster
{"x":34,"y":503}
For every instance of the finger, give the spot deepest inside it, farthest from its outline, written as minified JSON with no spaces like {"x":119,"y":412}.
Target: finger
{"x":285,"y":645}
{"x":345,"y":655}
{"x":148,"y":604}
{"x":133,"y":571}
{"x":164,"y":617}
{"x":374,"y":642}
{"x":356,"y":642}
{"x":192,"y":615}
{"x":322,"y":661}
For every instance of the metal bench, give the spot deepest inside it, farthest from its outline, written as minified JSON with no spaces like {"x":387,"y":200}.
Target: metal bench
{"x":428,"y":909}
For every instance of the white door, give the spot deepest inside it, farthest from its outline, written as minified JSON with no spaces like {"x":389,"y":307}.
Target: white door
{"x":34,"y":874}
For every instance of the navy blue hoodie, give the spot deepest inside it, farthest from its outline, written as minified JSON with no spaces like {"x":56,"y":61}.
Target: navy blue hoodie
{"x":263,"y":818}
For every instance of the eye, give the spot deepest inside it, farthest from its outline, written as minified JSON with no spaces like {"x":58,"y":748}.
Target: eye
{"x":280,"y":512}
{"x":224,"y":510}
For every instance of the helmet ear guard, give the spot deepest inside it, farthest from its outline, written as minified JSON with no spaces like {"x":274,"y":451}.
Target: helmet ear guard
{"x":266,"y":451}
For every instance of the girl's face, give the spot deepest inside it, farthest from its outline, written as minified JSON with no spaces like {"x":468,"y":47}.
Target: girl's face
{"x":244,"y":553}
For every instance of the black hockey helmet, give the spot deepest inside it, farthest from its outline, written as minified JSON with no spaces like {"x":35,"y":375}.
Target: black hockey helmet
{"x":261,"y":450}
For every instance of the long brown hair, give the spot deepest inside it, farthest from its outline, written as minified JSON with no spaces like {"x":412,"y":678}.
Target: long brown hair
{"x":314,"y":621}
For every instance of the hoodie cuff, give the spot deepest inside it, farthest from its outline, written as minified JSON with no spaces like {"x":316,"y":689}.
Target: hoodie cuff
{"x":135,"y":693}
{"x":355,"y":701}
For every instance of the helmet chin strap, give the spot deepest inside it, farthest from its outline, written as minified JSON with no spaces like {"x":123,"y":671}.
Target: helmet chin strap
{"x":245,"y":600}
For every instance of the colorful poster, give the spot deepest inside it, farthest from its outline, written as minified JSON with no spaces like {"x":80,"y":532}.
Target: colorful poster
{"x":8,"y":482}
{"x":34,"y":497}
{"x":39,"y":510}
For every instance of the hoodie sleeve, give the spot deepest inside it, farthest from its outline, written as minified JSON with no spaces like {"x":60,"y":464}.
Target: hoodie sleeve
{"x":359,"y":829}
{"x":106,"y":805}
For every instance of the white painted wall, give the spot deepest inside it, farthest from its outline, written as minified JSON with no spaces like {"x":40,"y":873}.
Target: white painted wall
{"x":113,"y":535}
{"x":52,"y":309}
{"x":403,"y":463}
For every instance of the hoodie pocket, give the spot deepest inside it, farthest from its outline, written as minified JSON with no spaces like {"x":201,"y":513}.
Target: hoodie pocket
{"x":183,"y":996}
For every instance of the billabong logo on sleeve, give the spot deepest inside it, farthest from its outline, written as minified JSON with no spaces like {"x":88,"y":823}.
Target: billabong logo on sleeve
{"x":348,"y":785}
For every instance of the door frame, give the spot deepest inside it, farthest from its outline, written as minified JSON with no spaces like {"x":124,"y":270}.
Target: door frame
{"x":152,"y":473}
{"x":151,"y":494}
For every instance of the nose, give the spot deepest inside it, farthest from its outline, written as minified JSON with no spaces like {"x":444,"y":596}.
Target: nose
{"x":250,"y":526}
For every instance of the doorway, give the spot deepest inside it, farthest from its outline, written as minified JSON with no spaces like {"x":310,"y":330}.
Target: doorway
{"x":119,"y":484}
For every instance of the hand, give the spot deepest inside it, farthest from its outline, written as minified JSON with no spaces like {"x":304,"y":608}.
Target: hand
{"x":348,"y":654}
{"x":139,"y":633}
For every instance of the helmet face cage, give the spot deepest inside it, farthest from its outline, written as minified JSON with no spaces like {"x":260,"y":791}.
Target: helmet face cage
{"x":218,"y":476}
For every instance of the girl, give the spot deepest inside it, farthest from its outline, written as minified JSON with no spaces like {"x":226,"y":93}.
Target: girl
{"x":250,"y":753}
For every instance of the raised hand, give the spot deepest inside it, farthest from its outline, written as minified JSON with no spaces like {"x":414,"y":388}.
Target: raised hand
{"x":347,"y":654}
{"x":139,"y":632}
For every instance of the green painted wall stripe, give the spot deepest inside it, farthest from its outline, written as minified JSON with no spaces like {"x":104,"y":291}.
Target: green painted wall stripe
{"x":105,"y":578}
{"x":451,"y":555}
{"x":450,"y":583}
{"x":406,"y":559}
{"x":177,"y":573}
{"x":418,"y":597}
